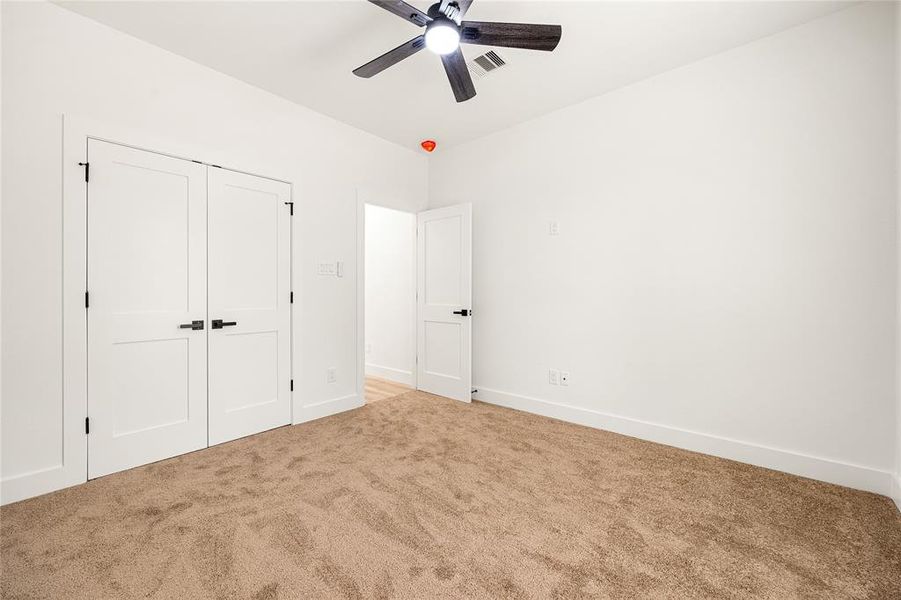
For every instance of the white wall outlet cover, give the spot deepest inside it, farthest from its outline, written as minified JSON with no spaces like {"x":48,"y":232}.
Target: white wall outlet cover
{"x":331,"y":375}
{"x":327,"y":268}
{"x":564,"y":378}
{"x":553,"y":228}
{"x":553,"y":377}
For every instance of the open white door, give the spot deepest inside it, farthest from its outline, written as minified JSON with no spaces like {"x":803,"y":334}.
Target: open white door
{"x":249,"y":304}
{"x":147,"y":351}
{"x":444,"y":292}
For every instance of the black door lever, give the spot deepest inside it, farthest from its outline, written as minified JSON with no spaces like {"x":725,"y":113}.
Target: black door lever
{"x":219,"y":324}
{"x":195,"y":325}
{"x":465,"y":312}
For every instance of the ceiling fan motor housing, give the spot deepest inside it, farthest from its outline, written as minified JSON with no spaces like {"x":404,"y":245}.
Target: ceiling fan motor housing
{"x":451,"y":12}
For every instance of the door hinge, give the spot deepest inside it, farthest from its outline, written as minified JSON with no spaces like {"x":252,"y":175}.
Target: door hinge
{"x":292,"y":385}
{"x":87,"y":170}
{"x":291,"y":207}
{"x":292,"y":297}
{"x":86,"y":299}
{"x":87,"y":425}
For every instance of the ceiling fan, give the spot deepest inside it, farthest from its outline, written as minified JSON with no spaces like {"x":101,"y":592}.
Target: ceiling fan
{"x":445,"y":30}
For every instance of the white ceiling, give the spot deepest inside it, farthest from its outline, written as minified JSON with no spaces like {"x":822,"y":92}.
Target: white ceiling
{"x":305,"y":51}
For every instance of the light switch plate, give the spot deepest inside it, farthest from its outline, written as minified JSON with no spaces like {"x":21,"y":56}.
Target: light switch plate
{"x":328,"y":269}
{"x":553,"y":377}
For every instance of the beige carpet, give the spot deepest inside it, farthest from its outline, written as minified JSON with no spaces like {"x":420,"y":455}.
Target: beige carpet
{"x":422,"y":497}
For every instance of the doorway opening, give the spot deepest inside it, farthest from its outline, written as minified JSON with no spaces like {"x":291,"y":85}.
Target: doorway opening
{"x":416,"y":302}
{"x":390,"y":303}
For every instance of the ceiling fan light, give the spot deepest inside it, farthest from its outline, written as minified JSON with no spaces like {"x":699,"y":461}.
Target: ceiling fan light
{"x":442,"y":38}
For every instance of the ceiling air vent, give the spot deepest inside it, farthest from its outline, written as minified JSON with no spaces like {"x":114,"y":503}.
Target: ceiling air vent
{"x":484,"y":64}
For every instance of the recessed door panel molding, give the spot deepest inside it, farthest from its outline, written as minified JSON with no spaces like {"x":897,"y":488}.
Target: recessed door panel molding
{"x":443,"y":268}
{"x":146,"y":265}
{"x":442,"y":345}
{"x":138,"y":388}
{"x":444,"y":328}
{"x":249,"y":304}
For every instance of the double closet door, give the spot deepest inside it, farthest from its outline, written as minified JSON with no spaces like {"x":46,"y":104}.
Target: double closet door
{"x":188,"y":306}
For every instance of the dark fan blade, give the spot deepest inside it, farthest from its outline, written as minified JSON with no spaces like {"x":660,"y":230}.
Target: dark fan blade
{"x":458,"y":75}
{"x":392,"y":57}
{"x":404,"y":11}
{"x":511,"y":35}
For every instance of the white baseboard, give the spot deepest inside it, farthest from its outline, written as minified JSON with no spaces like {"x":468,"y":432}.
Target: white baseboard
{"x":327,"y":408}
{"x":39,"y":482}
{"x":896,"y":490}
{"x":851,"y":475}
{"x":390,"y":373}
{"x":29,"y":485}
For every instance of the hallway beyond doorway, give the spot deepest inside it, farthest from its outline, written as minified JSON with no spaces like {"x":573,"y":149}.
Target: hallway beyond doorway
{"x":381,"y":389}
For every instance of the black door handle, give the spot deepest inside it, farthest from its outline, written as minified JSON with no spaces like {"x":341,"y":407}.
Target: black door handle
{"x":219,"y":324}
{"x":195,"y":325}
{"x":465,"y":312}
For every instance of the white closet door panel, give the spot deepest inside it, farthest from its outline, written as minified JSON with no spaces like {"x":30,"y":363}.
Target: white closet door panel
{"x":249,"y":292}
{"x":146,"y":277}
{"x":444,"y":328}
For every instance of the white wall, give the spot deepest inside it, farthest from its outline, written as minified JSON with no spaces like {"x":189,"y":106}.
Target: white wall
{"x":57,"y":62}
{"x":724,"y":277}
{"x":390,"y":293}
{"x":897,"y":481}
{"x":1,"y":241}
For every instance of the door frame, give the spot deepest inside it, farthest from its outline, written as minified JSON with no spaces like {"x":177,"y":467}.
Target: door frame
{"x":76,"y":130}
{"x":362,"y":201}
